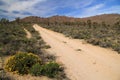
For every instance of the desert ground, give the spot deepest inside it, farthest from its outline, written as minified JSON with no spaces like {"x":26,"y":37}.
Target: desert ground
{"x":82,"y":61}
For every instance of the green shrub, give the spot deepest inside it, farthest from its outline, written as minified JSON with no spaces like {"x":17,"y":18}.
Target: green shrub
{"x":50,"y":69}
{"x":21,"y":62}
{"x":36,"y":69}
{"x":47,"y":46}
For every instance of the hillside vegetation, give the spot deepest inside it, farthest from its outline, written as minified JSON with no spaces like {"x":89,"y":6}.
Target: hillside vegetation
{"x":13,"y":39}
{"x":102,"y":34}
{"x":98,"y":34}
{"x":27,"y":55}
{"x":102,"y":30}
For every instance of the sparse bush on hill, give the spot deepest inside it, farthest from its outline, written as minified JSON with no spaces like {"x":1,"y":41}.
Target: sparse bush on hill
{"x":13,"y":38}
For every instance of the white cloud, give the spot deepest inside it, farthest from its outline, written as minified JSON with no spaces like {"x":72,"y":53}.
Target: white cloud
{"x":74,"y":3}
{"x":98,"y":11}
{"x":90,"y":11}
{"x":20,"y":6}
{"x":17,"y":5}
{"x":112,"y":9}
{"x":86,"y":10}
{"x":94,"y":8}
{"x":46,"y":9}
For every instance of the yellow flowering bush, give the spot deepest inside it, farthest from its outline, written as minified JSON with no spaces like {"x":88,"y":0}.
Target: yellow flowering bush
{"x":21,"y":62}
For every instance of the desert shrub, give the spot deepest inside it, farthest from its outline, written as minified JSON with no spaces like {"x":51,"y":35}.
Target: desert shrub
{"x":47,"y":57}
{"x":47,"y":46}
{"x":50,"y":69}
{"x":116,"y":47}
{"x":21,"y":62}
{"x":93,"y":41}
{"x":13,"y":39}
{"x":36,"y":69}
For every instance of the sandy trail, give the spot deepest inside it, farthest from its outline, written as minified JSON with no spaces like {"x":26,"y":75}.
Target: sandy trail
{"x":28,"y":33}
{"x":82,"y":61}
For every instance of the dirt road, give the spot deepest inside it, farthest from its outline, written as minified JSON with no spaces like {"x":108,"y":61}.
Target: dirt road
{"x":82,"y":61}
{"x":28,"y":33}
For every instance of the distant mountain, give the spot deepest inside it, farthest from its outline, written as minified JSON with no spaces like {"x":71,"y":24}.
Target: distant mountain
{"x":107,"y":18}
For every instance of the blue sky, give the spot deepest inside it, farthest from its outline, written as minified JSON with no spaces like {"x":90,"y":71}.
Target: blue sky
{"x":45,"y":8}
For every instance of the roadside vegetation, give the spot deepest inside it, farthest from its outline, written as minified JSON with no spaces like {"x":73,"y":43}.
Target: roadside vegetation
{"x":29,"y":63}
{"x":101,"y":34}
{"x":27,"y":55}
{"x":15,"y":44}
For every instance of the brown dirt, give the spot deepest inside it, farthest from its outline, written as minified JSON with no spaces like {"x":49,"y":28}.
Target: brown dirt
{"x":82,"y":61}
{"x":27,"y":77}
